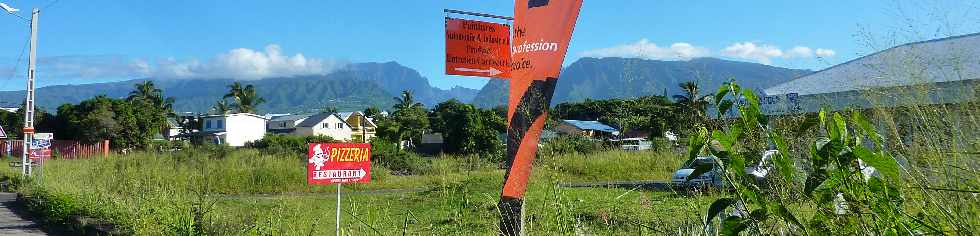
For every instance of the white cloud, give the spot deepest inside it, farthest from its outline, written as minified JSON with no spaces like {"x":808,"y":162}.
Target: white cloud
{"x":647,"y":50}
{"x":750,"y":51}
{"x":799,"y":52}
{"x":240,"y":63}
{"x":764,"y":53}
{"x":825,"y":52}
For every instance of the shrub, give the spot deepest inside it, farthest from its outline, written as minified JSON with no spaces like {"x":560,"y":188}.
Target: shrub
{"x":568,"y":144}
{"x":288,"y":144}
{"x":398,"y":161}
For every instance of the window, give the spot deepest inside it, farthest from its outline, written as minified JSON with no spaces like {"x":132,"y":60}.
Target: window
{"x":282,"y":125}
{"x":207,"y":124}
{"x":340,"y":125}
{"x":326,"y":125}
{"x":220,"y":124}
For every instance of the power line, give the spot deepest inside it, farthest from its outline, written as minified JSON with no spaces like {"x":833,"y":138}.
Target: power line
{"x":20,"y":57}
{"x":49,"y":4}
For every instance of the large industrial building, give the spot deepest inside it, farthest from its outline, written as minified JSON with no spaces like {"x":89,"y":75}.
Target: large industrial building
{"x":940,"y":71}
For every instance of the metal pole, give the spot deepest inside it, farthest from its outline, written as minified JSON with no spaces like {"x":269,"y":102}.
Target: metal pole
{"x":338,"y":209}
{"x":477,"y":14}
{"x":29,"y":99}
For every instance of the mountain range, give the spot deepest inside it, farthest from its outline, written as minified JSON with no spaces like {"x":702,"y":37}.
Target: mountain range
{"x":355,"y":87}
{"x":363,"y":85}
{"x":595,"y":78}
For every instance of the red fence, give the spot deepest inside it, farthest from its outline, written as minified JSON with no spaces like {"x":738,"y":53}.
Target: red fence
{"x":61,"y":149}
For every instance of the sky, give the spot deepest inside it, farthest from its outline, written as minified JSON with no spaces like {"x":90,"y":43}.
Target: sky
{"x":96,"y":41}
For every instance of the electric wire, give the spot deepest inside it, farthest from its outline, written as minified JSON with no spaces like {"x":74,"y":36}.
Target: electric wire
{"x":13,"y":73}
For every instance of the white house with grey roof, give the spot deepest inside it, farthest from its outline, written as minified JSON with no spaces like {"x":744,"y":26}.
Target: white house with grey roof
{"x":939,"y":71}
{"x":284,"y":124}
{"x":326,"y":124}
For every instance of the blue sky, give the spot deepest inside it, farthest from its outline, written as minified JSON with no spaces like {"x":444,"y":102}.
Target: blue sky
{"x":101,"y":40}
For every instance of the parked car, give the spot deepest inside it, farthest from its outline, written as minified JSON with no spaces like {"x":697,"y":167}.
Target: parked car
{"x":712,"y":178}
{"x":715,"y":177}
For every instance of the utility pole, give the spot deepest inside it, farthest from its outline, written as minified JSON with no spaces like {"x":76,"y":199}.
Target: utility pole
{"x":29,"y":99}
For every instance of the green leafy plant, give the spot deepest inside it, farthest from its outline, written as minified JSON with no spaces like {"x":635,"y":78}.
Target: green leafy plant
{"x":851,"y":182}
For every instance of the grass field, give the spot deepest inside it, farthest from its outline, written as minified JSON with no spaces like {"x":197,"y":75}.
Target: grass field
{"x":248,"y":192}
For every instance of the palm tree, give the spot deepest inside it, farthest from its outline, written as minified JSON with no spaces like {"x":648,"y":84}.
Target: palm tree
{"x":406,"y":101}
{"x":692,"y":98}
{"x":146,"y":92}
{"x":221,"y":107}
{"x":248,"y":100}
{"x":234,"y":90}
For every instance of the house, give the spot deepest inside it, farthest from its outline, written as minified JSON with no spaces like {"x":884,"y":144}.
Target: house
{"x":362,"y":127}
{"x":284,"y":124}
{"x":325,"y":124}
{"x":586,"y":128}
{"x":173,"y":131}
{"x":233,"y":129}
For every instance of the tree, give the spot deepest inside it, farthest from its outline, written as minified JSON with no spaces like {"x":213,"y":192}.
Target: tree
{"x":692,"y":101}
{"x":246,"y":100}
{"x":372,"y":111}
{"x":467,"y":129}
{"x":411,"y":117}
{"x":221,"y":107}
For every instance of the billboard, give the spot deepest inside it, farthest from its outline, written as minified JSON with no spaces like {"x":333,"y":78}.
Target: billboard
{"x":477,"y":48}
{"x":334,"y":163}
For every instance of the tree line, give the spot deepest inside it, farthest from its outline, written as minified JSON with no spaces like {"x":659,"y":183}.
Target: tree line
{"x":132,"y":122}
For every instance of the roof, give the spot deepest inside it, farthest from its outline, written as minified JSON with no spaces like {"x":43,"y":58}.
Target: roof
{"x":932,"y":61}
{"x":591,"y":125}
{"x":346,"y":115}
{"x":315,"y":119}
{"x":236,"y":114}
{"x":289,"y":117}
{"x":172,"y":123}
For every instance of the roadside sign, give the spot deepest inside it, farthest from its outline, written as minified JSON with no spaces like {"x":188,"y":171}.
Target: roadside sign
{"x":40,"y":144}
{"x":335,"y":163}
{"x":2,"y":133}
{"x":40,"y":153}
{"x":28,"y":130}
{"x":48,"y":136}
{"x":477,"y":48}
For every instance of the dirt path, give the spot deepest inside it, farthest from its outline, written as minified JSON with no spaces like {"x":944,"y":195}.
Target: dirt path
{"x":12,"y":223}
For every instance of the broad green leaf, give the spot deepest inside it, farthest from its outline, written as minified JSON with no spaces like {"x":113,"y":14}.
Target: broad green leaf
{"x":696,"y":142}
{"x":717,"y":207}
{"x":882,"y":162}
{"x":759,"y":214}
{"x":724,"y":139}
{"x":818,"y":154}
{"x":698,"y":170}
{"x":781,"y":161}
{"x":866,"y":127}
{"x":809,"y":121}
{"x":733,"y":225}
{"x":841,"y":126}
{"x":724,"y":106}
{"x":815,"y":179}
{"x":722,"y":91}
{"x":789,"y":217}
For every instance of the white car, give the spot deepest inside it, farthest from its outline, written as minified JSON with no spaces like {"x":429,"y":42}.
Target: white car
{"x":711,"y":178}
{"x":714,"y":177}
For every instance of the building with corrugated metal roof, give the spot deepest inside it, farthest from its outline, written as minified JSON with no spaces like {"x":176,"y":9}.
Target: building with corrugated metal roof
{"x":939,"y":71}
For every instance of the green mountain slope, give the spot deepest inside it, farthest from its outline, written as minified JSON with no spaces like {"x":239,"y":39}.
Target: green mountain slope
{"x":626,"y":77}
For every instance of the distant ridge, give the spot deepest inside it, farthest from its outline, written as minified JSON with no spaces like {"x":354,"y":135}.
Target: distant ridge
{"x":356,"y":87}
{"x":612,"y":77}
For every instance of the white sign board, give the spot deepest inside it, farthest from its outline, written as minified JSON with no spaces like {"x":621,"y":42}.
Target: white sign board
{"x":2,"y":134}
{"x":47,"y":136}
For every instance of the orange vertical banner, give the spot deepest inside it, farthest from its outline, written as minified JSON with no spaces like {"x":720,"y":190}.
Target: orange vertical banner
{"x":543,"y":29}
